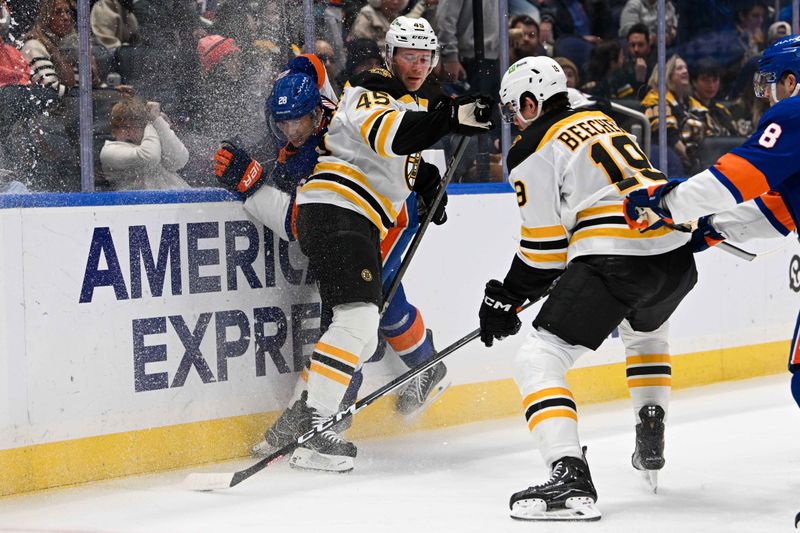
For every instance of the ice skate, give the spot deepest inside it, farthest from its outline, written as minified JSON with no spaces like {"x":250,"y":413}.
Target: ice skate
{"x":649,"y":453}
{"x":327,"y":451}
{"x":569,"y":495}
{"x":417,"y":394}
{"x":285,"y":429}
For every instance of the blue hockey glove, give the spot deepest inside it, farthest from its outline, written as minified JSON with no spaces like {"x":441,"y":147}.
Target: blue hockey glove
{"x":236,"y":170}
{"x":498,"y":313}
{"x":643,"y":209}
{"x":705,"y":236}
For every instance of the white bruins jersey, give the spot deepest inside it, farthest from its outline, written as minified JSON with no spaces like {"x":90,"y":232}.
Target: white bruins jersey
{"x":571,"y":172}
{"x":358,"y":168}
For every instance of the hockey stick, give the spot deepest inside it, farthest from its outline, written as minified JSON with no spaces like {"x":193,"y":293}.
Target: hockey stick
{"x":412,"y":249}
{"x":687,"y":228}
{"x":201,"y":481}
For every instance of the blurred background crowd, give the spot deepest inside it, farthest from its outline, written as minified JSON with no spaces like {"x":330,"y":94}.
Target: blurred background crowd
{"x":200,"y":71}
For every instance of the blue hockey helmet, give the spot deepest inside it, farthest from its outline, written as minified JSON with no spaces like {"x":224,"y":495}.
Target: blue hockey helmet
{"x":782,"y":57}
{"x":294,"y":97}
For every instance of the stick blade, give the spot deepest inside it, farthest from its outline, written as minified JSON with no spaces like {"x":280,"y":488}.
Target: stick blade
{"x":204,"y":482}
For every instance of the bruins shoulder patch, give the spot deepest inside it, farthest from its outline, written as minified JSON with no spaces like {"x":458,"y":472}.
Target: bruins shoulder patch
{"x":380,"y":71}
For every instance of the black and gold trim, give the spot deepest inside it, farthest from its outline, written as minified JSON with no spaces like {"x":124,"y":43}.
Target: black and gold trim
{"x":553,"y":402}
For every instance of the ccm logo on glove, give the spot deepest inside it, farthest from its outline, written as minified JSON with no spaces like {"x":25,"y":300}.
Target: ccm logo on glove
{"x":495,"y":304}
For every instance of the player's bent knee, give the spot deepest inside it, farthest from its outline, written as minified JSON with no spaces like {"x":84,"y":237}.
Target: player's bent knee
{"x":359,"y":319}
{"x":539,"y":361}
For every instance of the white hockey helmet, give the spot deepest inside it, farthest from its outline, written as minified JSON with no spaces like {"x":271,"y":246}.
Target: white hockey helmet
{"x":417,"y":34}
{"x":540,"y":76}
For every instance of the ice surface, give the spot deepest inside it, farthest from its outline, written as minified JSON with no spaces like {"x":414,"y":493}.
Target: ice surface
{"x":732,"y":464}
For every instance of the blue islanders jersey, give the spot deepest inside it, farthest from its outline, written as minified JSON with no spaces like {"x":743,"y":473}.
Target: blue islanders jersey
{"x":756,"y":184}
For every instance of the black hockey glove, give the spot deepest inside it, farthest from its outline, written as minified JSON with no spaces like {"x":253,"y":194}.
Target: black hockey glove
{"x":236,"y":170}
{"x":470,"y":114}
{"x":426,"y":185}
{"x":498,"y":313}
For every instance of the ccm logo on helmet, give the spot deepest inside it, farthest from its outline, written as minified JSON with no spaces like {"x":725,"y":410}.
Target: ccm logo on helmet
{"x":494,"y":304}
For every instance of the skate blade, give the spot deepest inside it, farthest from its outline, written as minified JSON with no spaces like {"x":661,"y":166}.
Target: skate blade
{"x":651,"y":478}
{"x":577,"y":510}
{"x":305,"y":459}
{"x":440,"y":388}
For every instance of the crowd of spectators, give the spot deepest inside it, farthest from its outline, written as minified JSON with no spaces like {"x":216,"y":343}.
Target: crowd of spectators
{"x":173,"y":78}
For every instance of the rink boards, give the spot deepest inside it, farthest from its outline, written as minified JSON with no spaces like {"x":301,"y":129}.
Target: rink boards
{"x":148,"y":331}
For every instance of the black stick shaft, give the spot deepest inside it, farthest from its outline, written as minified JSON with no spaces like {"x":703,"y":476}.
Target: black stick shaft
{"x":412,"y":249}
{"x":241,"y":475}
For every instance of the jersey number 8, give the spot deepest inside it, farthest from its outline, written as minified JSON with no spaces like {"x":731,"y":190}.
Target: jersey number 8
{"x":770,"y":135}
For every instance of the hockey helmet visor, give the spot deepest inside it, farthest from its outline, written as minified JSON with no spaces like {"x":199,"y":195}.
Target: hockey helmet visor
{"x":782,"y":57}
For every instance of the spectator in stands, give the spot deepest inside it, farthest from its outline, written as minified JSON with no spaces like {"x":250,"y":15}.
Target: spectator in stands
{"x":588,"y":19}
{"x":50,"y":66}
{"x":546,"y":35}
{"x":372,"y":22}
{"x":746,"y":109}
{"x":362,"y":54}
{"x":221,"y":92}
{"x":14,"y":68}
{"x":705,"y":75}
{"x":113,"y":23}
{"x":684,"y":128}
{"x":605,"y":61}
{"x":422,"y":9}
{"x":528,"y":8}
{"x":704,"y":18}
{"x":324,"y":51}
{"x":145,"y":152}
{"x":523,"y":34}
{"x":646,"y":12}
{"x":238,"y":21}
{"x":165,"y":55}
{"x":750,"y":26}
{"x":631,"y":80}
{"x":777,"y":30}
{"x":570,"y":70}
{"x":456,"y":37}
{"x":228,"y":102}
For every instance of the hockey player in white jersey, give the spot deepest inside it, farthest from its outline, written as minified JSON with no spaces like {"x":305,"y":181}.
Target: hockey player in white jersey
{"x":570,"y":169}
{"x":369,"y":163}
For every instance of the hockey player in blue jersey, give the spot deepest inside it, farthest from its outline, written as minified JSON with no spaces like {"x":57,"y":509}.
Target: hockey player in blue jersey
{"x":751,"y":192}
{"x":299,"y":116}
